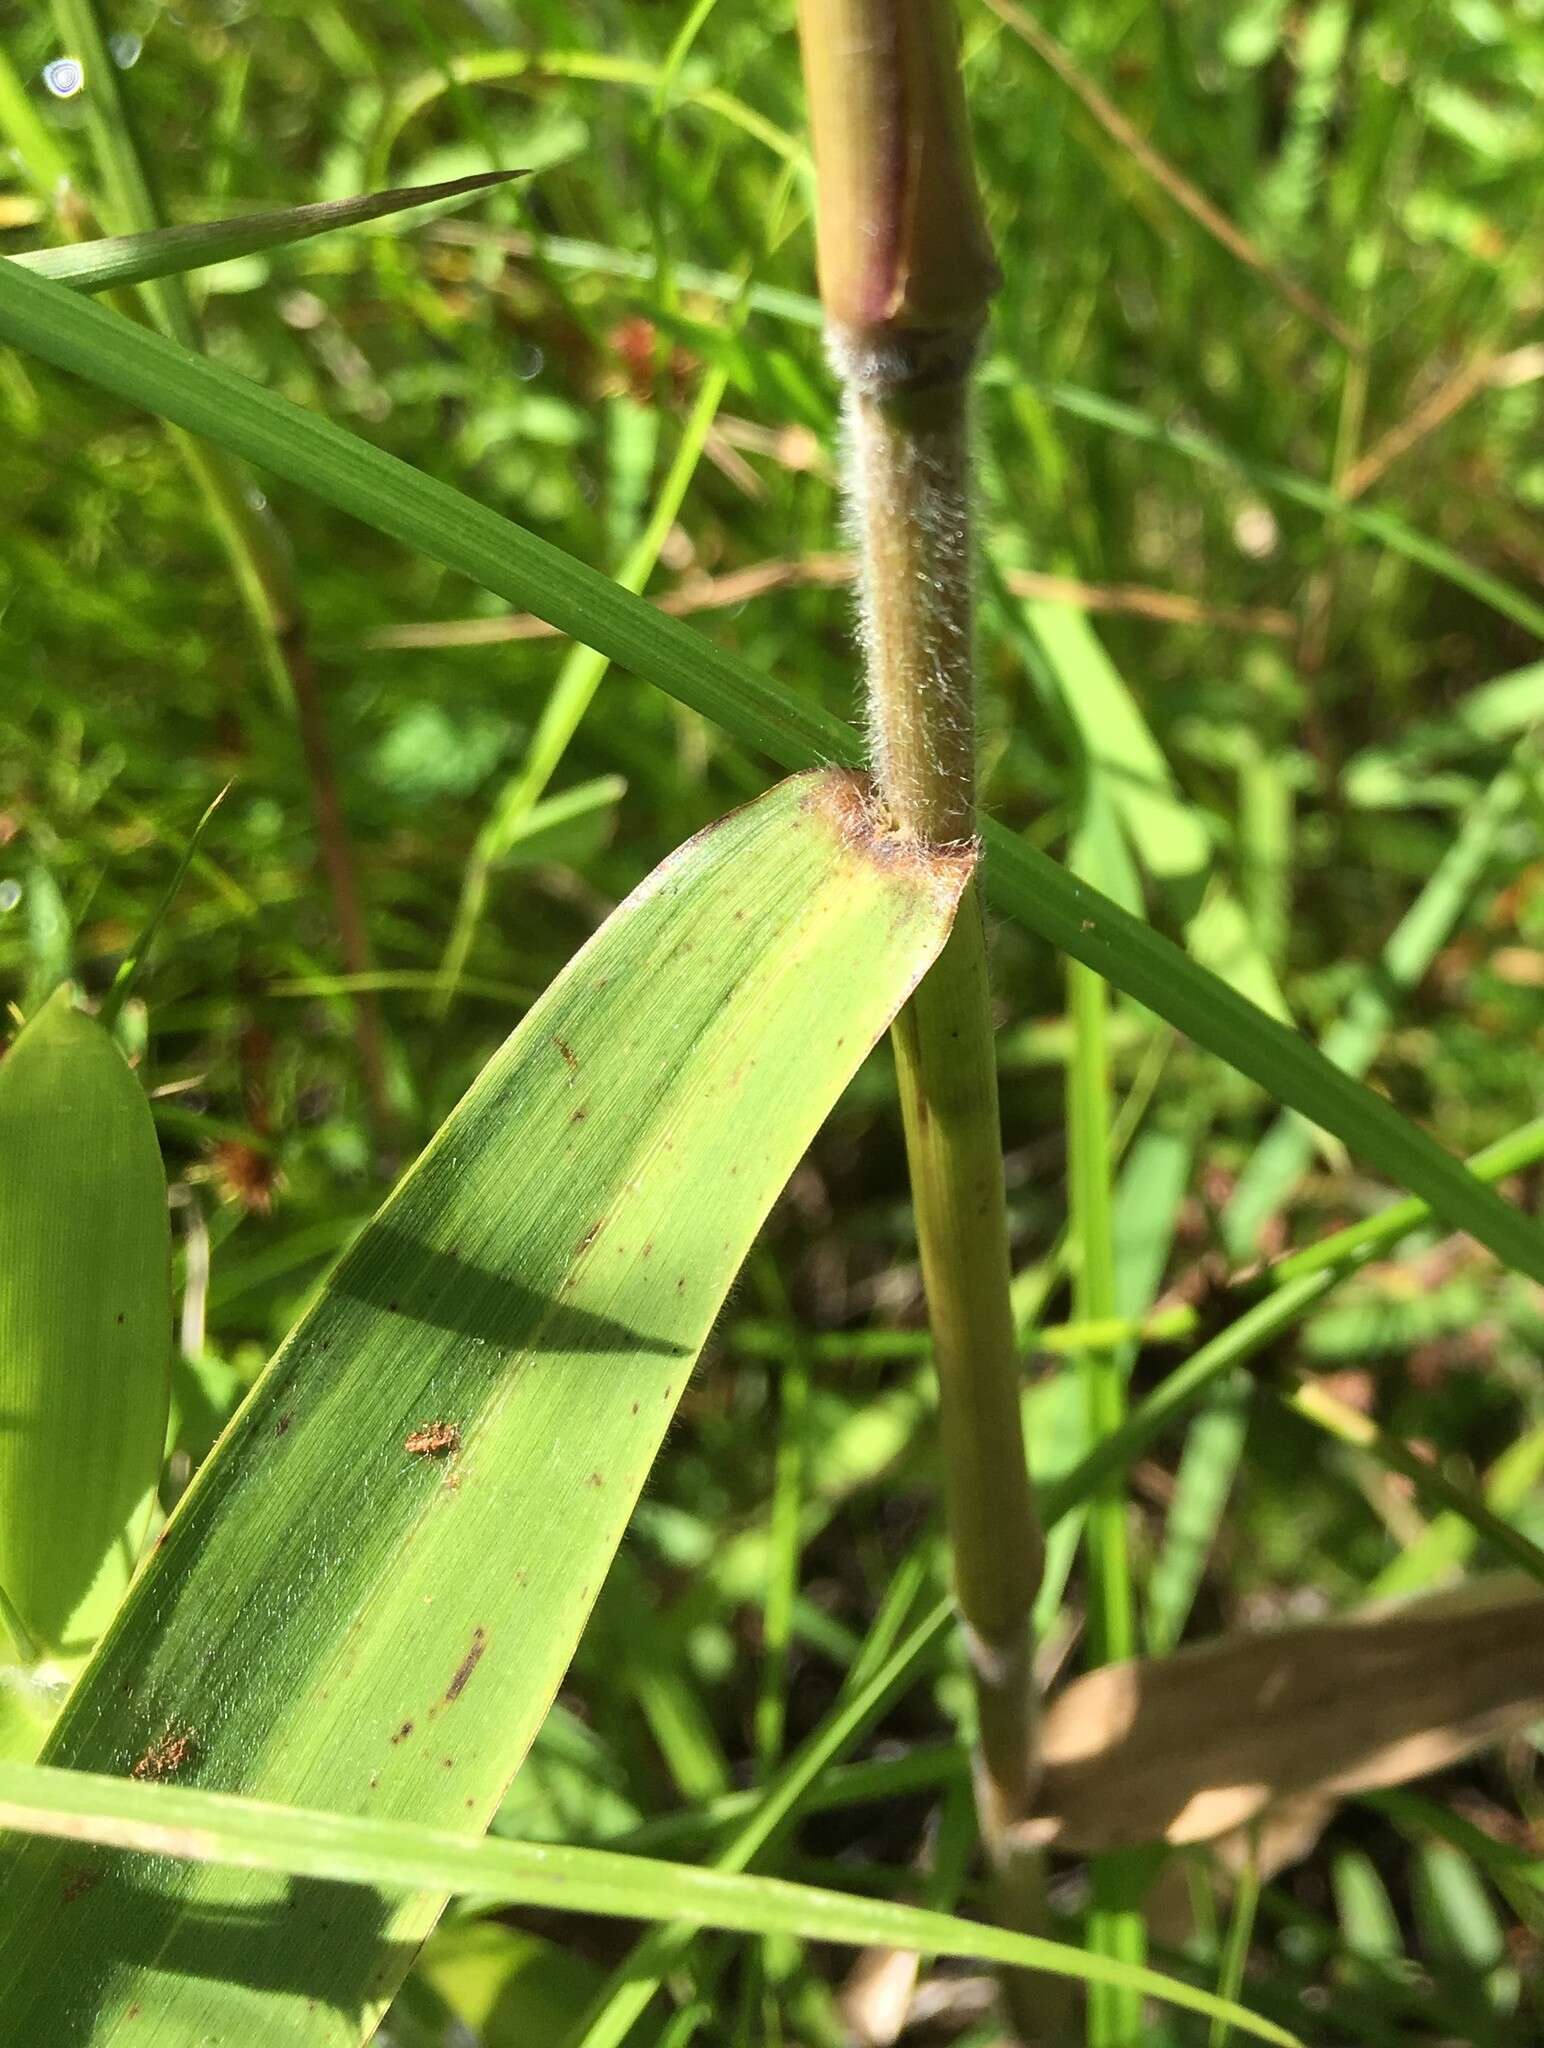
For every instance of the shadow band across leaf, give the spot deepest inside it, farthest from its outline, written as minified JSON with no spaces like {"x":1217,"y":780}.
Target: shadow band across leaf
{"x":345,"y":472}
{"x":445,"y":1291}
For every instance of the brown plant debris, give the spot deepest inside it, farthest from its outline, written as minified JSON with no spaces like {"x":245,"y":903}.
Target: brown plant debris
{"x":1188,"y":1747}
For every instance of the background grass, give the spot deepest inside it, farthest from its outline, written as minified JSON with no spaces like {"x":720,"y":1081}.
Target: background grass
{"x":1312,"y":709}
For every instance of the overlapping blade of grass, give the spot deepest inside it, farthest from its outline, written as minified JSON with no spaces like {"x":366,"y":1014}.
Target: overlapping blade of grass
{"x":571,"y":695}
{"x":796,"y":1787}
{"x":334,"y":1856}
{"x":1166,"y":834}
{"x":370,"y":1593}
{"x":1352,"y":1041}
{"x":169,"y":252}
{"x":1372,"y":523}
{"x":1398,"y":771}
{"x":1450,"y":1537}
{"x":1113,"y":1930}
{"x":250,"y":538}
{"x":500,"y":67}
{"x":85,"y":1337}
{"x":1296,"y":1285}
{"x":78,"y":335}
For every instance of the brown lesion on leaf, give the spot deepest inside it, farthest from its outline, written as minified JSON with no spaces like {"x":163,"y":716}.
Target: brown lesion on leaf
{"x":402,"y":1733}
{"x":81,"y":1880}
{"x":433,"y":1440}
{"x":467,"y":1666}
{"x":570,"y":1057}
{"x":164,"y":1757}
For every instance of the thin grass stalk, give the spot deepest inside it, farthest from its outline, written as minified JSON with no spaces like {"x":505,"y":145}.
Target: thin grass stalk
{"x":1114,"y":2014}
{"x":252,"y":542}
{"x":906,"y":272}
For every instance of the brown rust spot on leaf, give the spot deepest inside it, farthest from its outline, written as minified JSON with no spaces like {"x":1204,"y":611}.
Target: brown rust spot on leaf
{"x":570,"y":1057}
{"x":402,"y":1733}
{"x":164,"y":1757}
{"x":467,"y":1666}
{"x":433,"y":1440}
{"x":79,"y":1882}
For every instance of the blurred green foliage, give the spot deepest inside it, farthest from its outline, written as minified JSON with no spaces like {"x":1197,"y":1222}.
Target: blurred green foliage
{"x":541,"y":350}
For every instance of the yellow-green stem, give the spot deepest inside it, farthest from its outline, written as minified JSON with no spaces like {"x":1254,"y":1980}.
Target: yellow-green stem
{"x":948,"y":1091}
{"x":908,"y":452}
{"x":909,"y":455}
{"x":906,"y":272}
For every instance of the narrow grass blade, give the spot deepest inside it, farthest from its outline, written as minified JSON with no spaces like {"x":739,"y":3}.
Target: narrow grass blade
{"x":1122,"y":759}
{"x":1114,"y":1930}
{"x":1386,"y":529}
{"x":370,"y":1593}
{"x":1201,"y":1485}
{"x":169,"y":252}
{"x":27,"y":133}
{"x":1450,"y":1538}
{"x":343,"y":471}
{"x":1317,"y":1404}
{"x":134,"y":959}
{"x":1297,"y":1285}
{"x":571,"y":695}
{"x":1029,"y":885}
{"x":493,"y":67}
{"x":85,"y":1325}
{"x":1352,"y":1042}
{"x":335,"y":1856}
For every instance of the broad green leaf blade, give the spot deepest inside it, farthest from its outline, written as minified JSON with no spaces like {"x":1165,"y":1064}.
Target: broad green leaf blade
{"x":85,"y":1325}
{"x":204,"y":397}
{"x":371,"y":1592}
{"x":168,"y":252}
{"x":318,"y":1851}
